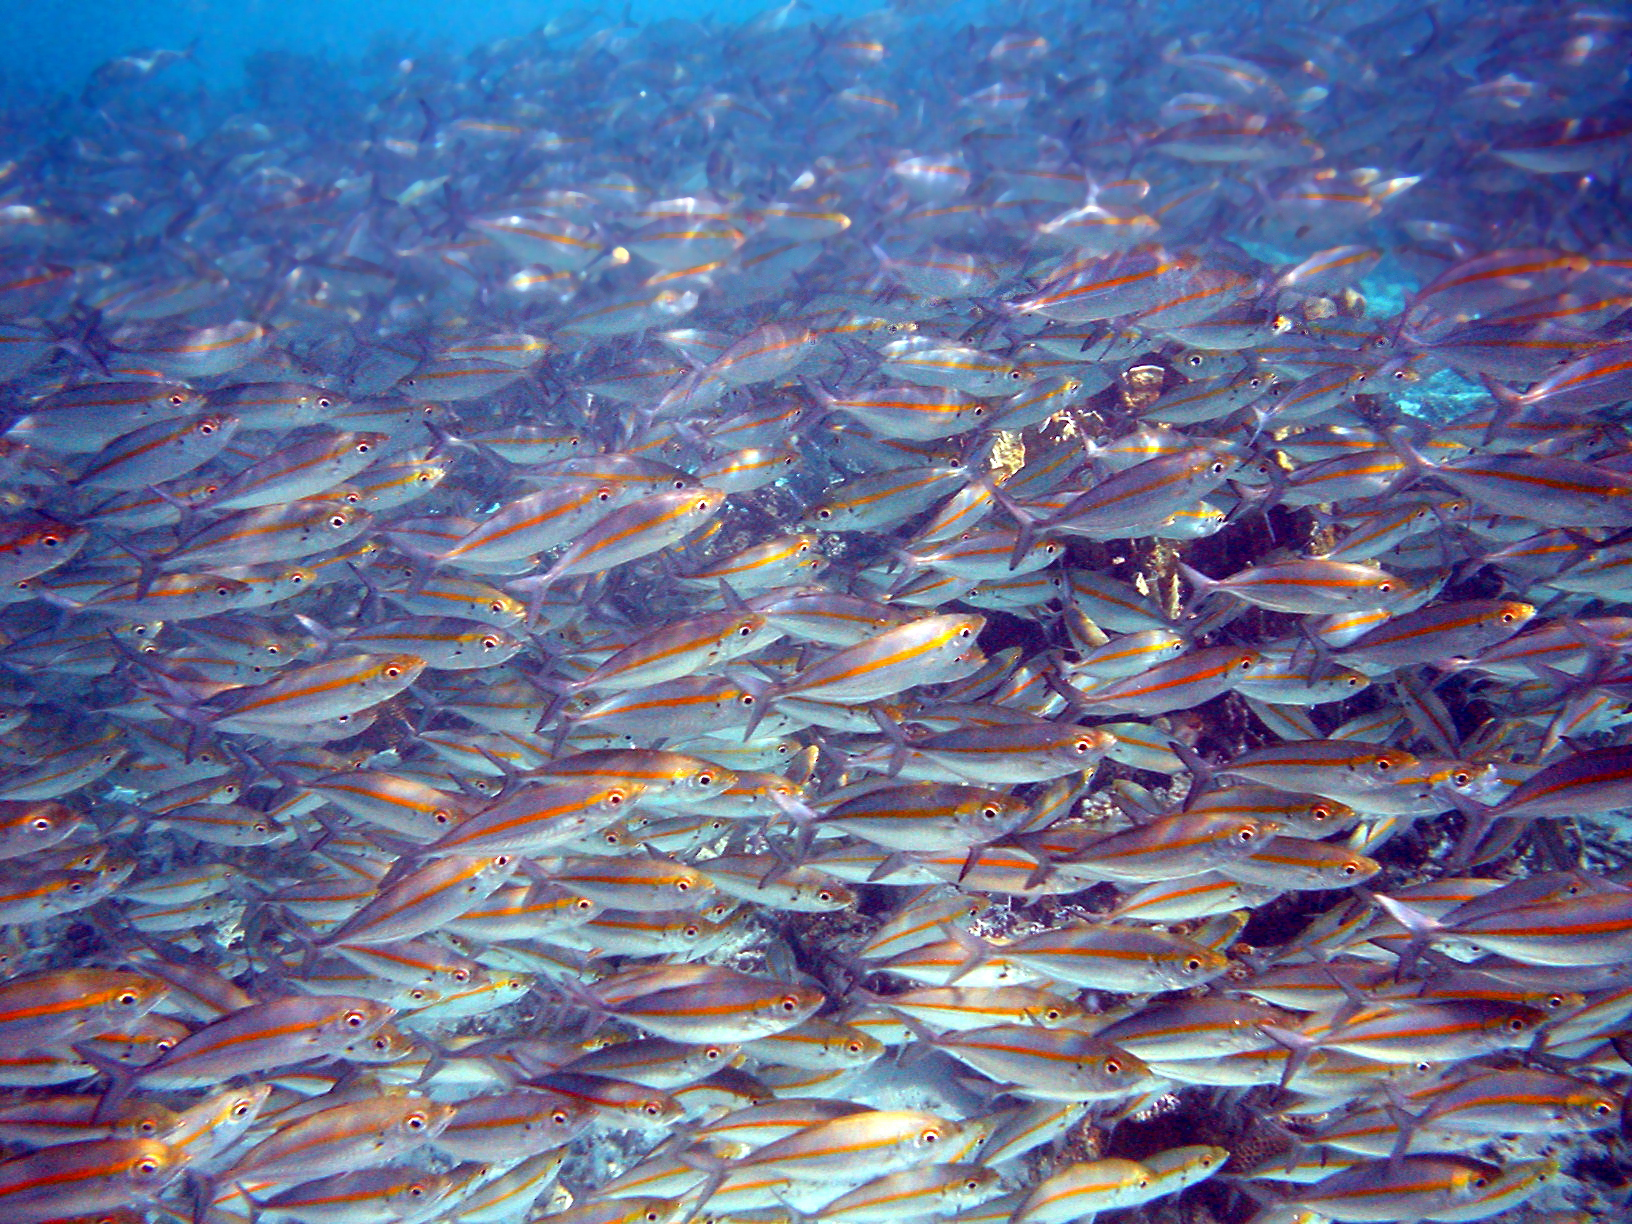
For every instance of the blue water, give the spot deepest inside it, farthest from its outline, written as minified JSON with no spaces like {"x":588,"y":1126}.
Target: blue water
{"x":52,"y":46}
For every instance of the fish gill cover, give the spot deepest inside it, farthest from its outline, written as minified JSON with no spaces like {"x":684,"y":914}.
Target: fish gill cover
{"x":998,"y":615}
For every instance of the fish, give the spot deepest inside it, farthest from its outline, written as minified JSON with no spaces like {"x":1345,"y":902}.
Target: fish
{"x":325,"y":1142}
{"x":1437,"y":1184}
{"x":261,"y":1036}
{"x":1085,"y":1186}
{"x":794,"y":618}
{"x":84,"y":1177}
{"x":1061,"y":1063}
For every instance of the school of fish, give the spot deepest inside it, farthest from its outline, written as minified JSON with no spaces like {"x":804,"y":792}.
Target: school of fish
{"x":999,"y":616}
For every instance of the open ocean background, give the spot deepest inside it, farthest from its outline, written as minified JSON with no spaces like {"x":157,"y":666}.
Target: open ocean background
{"x":39,"y":54}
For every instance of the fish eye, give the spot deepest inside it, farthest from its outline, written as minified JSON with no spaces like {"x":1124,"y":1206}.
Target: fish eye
{"x":41,"y":824}
{"x":324,"y":402}
{"x":177,"y":400}
{"x":1555,"y":1000}
{"x":965,"y":633}
{"x":1383,"y":764}
{"x":1195,"y":359}
{"x":1217,"y":469}
{"x":691,"y":930}
{"x":1082,"y":745}
{"x":416,"y":1121}
{"x":745,"y":631}
{"x":392,"y":672}
{"x":461,"y":976}
{"x":501,"y":860}
{"x":1112,"y":1067}
{"x":615,"y":799}
{"x":416,"y":1191}
{"x":824,"y":895}
{"x":746,"y":699}
{"x":354,"y":1020}
{"x":51,"y":541}
{"x":929,"y":1136}
{"x":1602,"y":1109}
{"x":560,"y":1117}
{"x":146,"y":1165}
{"x":682,"y":885}
{"x":1461,"y":777}
{"x":991,"y":811}
{"x":127,"y":998}
{"x":824,"y":514}
{"x":240,"y":1109}
{"x":788,"y":1004}
{"x":206,"y":428}
{"x":1517,"y":1024}
{"x":1507,"y":618}
{"x":337,"y":520}
{"x":1350,"y":869}
{"x":971,"y":1185}
{"x":491,"y":643}
{"x":651,"y":1109}
{"x":1193,"y":965}
{"x":705,"y":779}
{"x":1246,"y":833}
